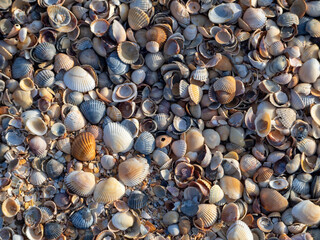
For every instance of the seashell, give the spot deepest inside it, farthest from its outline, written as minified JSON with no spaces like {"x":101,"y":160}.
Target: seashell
{"x":10,"y":207}
{"x":239,"y":230}
{"x":82,"y":219}
{"x":78,"y":79}
{"x":99,"y":27}
{"x":21,"y":68}
{"x":128,"y":52}
{"x":58,"y":129}
{"x":195,"y":93}
{"x":22,"y":98}
{"x":170,"y":217}
{"x":194,"y":140}
{"x":230,"y":213}
{"x":287,"y":19}
{"x":117,"y":31}
{"x":84,"y":147}
{"x":145,"y":5}
{"x":116,"y":65}
{"x":54,"y":169}
{"x":263,"y":124}
{"x":124,"y":92}
{"x":190,"y":32}
{"x":38,"y":146}
{"x":263,"y":174}
{"x":211,"y":138}
{"x":44,"y":78}
{"x":307,"y":146}
{"x":26,"y":84}
{"x":137,"y":18}
{"x":309,"y":71}
{"x":117,"y":137}
{"x":224,"y":13}
{"x":32,"y":217}
{"x":107,"y":162}
{"x":272,"y":200}
{"x":138,"y":76}
{"x":133,"y":171}
{"x":216,"y":194}
{"x":154,"y":61}
{"x":123,"y":220}
{"x":74,"y":120}
{"x":279,"y":184}
{"x":160,"y":157}
{"x":313,"y":8}
{"x":90,"y":58}
{"x":301,"y":184}
{"x":286,"y":116}
{"x":225,"y":89}
{"x":63,"y":62}
{"x":52,"y":230}
{"x":61,"y":18}
{"x":64,"y":145}
{"x":36,"y":126}
{"x":231,"y":187}
{"x":149,"y":107}
{"x":315,"y":113}
{"x":5,"y":184}
{"x":43,"y":52}
{"x":81,"y":183}
{"x":179,"y":148}
{"x":249,"y":165}
{"x":137,"y":200}
{"x":276,"y":48}
{"x":93,"y":110}
{"x":180,"y":12}
{"x":255,"y":18}
{"x":207,"y":215}
{"x":312,"y":27}
{"x":310,"y":217}
{"x":37,"y":178}
{"x":108,"y":190}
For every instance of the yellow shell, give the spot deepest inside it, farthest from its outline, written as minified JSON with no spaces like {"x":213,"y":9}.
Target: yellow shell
{"x":80,"y":183}
{"x":137,"y":18}
{"x":84,"y":147}
{"x":10,"y":207}
{"x":108,"y":190}
{"x":195,"y":93}
{"x":133,"y":171}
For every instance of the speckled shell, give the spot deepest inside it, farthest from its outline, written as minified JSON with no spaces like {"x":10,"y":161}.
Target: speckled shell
{"x":133,"y":171}
{"x":82,"y":219}
{"x":44,"y":78}
{"x":117,"y":137}
{"x":137,"y":18}
{"x":52,"y":230}
{"x":239,"y":230}
{"x":137,"y":200}
{"x":21,"y":68}
{"x":74,"y":120}
{"x":93,"y":110}
{"x":81,"y":183}
{"x":272,"y":200}
{"x":54,"y":168}
{"x":145,"y":143}
{"x":208,"y":213}
{"x":108,"y":190}
{"x":84,"y":147}
{"x":77,"y":79}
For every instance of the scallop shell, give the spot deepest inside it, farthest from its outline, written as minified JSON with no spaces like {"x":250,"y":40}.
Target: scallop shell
{"x":231,"y":187}
{"x":207,"y":214}
{"x":117,"y":137}
{"x":108,"y":190}
{"x":124,"y":92}
{"x":123,"y":220}
{"x":82,"y":219}
{"x":93,"y":110}
{"x":239,"y":230}
{"x":37,"y":178}
{"x":21,"y":68}
{"x":137,"y":200}
{"x":145,"y":143}
{"x":44,"y":78}
{"x":128,"y":52}
{"x":63,"y":62}
{"x":81,"y":183}
{"x":249,"y":165}
{"x":78,"y":79}
{"x":38,"y":146}
{"x":133,"y":171}
{"x":10,"y":207}
{"x":84,"y":147}
{"x":263,"y":124}
{"x":74,"y":120}
{"x":255,"y":18}
{"x":137,"y":18}
{"x":307,"y":212}
{"x":272,"y":200}
{"x":52,"y":230}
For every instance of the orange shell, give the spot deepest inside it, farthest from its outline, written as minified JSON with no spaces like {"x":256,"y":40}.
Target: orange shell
{"x":84,"y":147}
{"x":156,"y":34}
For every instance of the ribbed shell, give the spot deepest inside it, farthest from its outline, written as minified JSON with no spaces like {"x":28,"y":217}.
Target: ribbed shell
{"x":300,"y":187}
{"x":80,"y":183}
{"x":216,"y":194}
{"x":52,"y":230}
{"x":249,"y":165}
{"x":77,"y":79}
{"x":84,"y":147}
{"x":37,"y":178}
{"x":137,"y":18}
{"x":154,"y":61}
{"x":239,"y":231}
{"x":145,"y":143}
{"x":75,"y":98}
{"x":307,"y":212}
{"x":44,"y":78}
{"x":63,"y":62}
{"x":307,"y":146}
{"x":74,"y":121}
{"x":117,"y":137}
{"x":32,"y":216}
{"x":231,"y":187}
{"x":313,"y":8}
{"x":156,"y":34}
{"x":262,"y":174}
{"x":255,"y":18}
{"x":287,"y":19}
{"x":38,"y":146}
{"x":43,"y":52}
{"x":116,"y":65}
{"x":195,"y":93}
{"x":137,"y":200}
{"x":179,"y":148}
{"x":208,"y":213}
{"x":272,"y":200}
{"x":82,"y":219}
{"x":225,"y":84}
{"x":128,"y":52}
{"x":144,"y":5}
{"x":133,"y":171}
{"x":200,"y":74}
{"x":21,"y":68}
{"x":93,"y":110}
{"x":54,"y":168}
{"x":108,"y":190}
{"x":287,"y":116}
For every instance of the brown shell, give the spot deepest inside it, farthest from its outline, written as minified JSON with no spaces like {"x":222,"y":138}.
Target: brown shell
{"x":272,"y":200}
{"x":137,"y":18}
{"x":84,"y":147}
{"x":156,"y":34}
{"x":263,"y":174}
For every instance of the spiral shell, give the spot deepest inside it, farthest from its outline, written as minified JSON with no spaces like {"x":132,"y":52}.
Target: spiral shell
{"x":133,"y":171}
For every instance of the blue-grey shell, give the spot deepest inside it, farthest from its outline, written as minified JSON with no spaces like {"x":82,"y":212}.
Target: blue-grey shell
{"x":54,"y":168}
{"x":75,"y":98}
{"x":52,"y":230}
{"x":82,"y":219}
{"x":44,"y":52}
{"x":3,"y":62}
{"x":21,"y":67}
{"x":189,"y":208}
{"x":44,"y":78}
{"x":137,"y":200}
{"x":47,"y":214}
{"x":89,"y":57}
{"x":93,"y":110}
{"x":302,"y":25}
{"x":116,"y":65}
{"x":145,"y":143}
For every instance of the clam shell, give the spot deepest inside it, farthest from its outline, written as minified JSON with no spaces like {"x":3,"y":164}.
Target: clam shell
{"x":99,"y":27}
{"x":156,"y":34}
{"x":279,"y":184}
{"x":133,"y":171}
{"x":154,"y":60}
{"x":315,"y":113}
{"x":249,"y":165}
{"x":117,"y":32}
{"x":38,"y":146}
{"x":93,"y":110}
{"x":194,"y":139}
{"x":63,"y":62}
{"x":307,"y":146}
{"x":78,"y":79}
{"x":124,"y":92}
{"x":216,"y":194}
{"x":32,"y":217}
{"x":36,"y":126}
{"x":263,"y":174}
{"x":82,"y":219}
{"x":117,"y":137}
{"x":309,"y":71}
{"x":137,"y":200}
{"x":179,"y":148}
{"x":263,"y":124}
{"x":207,"y":214}
{"x":222,"y":13}
{"x":225,"y":89}
{"x":116,"y":65}
{"x":43,"y":52}
{"x":128,"y":52}
{"x":137,"y":18}
{"x":64,"y":145}
{"x":58,"y":129}
{"x":74,"y":120}
{"x":81,"y":183}
{"x":211,"y":138}
{"x":84,"y":147}
{"x":287,"y":116}
{"x":287,"y":19}
{"x":22,"y":98}
{"x":231,"y":187}
{"x":272,"y":200}
{"x":307,"y":212}
{"x":145,"y":143}
{"x":54,"y":168}
{"x":10,"y":207}
{"x":239,"y":230}
{"x":313,"y":8}
{"x":123,"y":220}
{"x":89,"y":57}
{"x":21,"y":68}
{"x":108,"y":190}
{"x":37,"y":178}
{"x":255,"y":18}
{"x":44,"y":78}
{"x":52,"y":230}
{"x":195,"y":93}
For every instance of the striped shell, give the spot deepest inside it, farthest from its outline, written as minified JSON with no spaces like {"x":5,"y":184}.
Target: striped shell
{"x":272,"y":200}
{"x":137,"y":200}
{"x":249,"y":165}
{"x":231,"y":187}
{"x":117,"y":137}
{"x":21,"y":68}
{"x":63,"y":62}
{"x":216,"y":194}
{"x":195,"y":93}
{"x":82,"y":219}
{"x":78,"y":79}
{"x":43,"y":52}
{"x":255,"y":18}
{"x":81,"y":183}
{"x":207,"y":214}
{"x":239,"y":230}
{"x":145,"y":143}
{"x":133,"y":171}
{"x":116,"y":65}
{"x":287,"y":116}
{"x":52,"y":230}
{"x":179,"y":148}
{"x":44,"y":78}
{"x":84,"y":147}
{"x":137,"y":18}
{"x":108,"y":190}
{"x":38,"y":146}
{"x":37,"y":178}
{"x":93,"y":110}
{"x":74,"y":120}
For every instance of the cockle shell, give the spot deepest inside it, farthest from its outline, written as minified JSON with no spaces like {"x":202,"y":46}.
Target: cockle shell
{"x":52,"y":230}
{"x":272,"y":200}
{"x":239,"y":230}
{"x":137,"y":18}
{"x":38,"y":146}
{"x":133,"y":171}
{"x":307,"y":146}
{"x":123,"y":220}
{"x":54,"y":168}
{"x":249,"y":165}
{"x":78,"y":79}
{"x":194,"y":139}
{"x":287,"y":116}
{"x":207,"y":214}
{"x":44,"y":78}
{"x":180,"y":12}
{"x":81,"y":183}
{"x":216,"y":194}
{"x":74,"y":120}
{"x":309,"y":71}
{"x":179,"y":148}
{"x":128,"y":52}
{"x":154,"y":60}
{"x":93,"y":110}
{"x":82,"y":219}
{"x":108,"y":190}
{"x":99,"y":27}
{"x":22,"y":98}
{"x":63,"y":62}
{"x":145,"y":143}
{"x":10,"y":207}
{"x":84,"y":147}
{"x":255,"y":18}
{"x":307,"y":212}
{"x":21,"y":68}
{"x":137,"y":200}
{"x":124,"y":92}
{"x":36,"y":126}
{"x":117,"y":137}
{"x":32,"y":216}
{"x":231,"y":187}
{"x":225,"y":89}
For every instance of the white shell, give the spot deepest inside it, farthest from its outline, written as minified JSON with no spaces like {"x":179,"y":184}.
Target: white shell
{"x":123,"y":220}
{"x":307,"y":212}
{"x":309,"y":71}
{"x":108,"y":162}
{"x":74,"y":120}
{"x":238,"y":231}
{"x":36,"y":126}
{"x":211,"y":138}
{"x":37,"y":178}
{"x":179,"y":148}
{"x":77,"y":79}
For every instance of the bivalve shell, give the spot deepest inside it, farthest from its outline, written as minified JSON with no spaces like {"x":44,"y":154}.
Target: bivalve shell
{"x":133,"y":171}
{"x":128,"y":52}
{"x":82,"y":219}
{"x":255,"y":18}
{"x":52,"y":230}
{"x":10,"y":207}
{"x":80,"y":183}
{"x":74,"y":120}
{"x":309,"y":71}
{"x":145,"y":143}
{"x":307,"y":212}
{"x":37,"y":178}
{"x":137,"y":200}
{"x":137,"y":18}
{"x":93,"y":110}
{"x":272,"y":200}
{"x":207,"y":215}
{"x":44,"y":78}
{"x":84,"y":147}
{"x":231,"y":187}
{"x":54,"y":168}
{"x":123,"y":220}
{"x":78,"y":79}
{"x":239,"y":230}
{"x":108,"y":190}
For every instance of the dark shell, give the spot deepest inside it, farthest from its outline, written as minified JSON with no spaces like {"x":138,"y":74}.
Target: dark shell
{"x":54,"y":168}
{"x":137,"y":200}
{"x":44,"y":78}
{"x":82,"y":219}
{"x":47,"y":214}
{"x":89,"y":57}
{"x":145,"y":143}
{"x":43,"y":52}
{"x":93,"y":110}
{"x":189,"y":208}
{"x":116,"y":65}
{"x":52,"y":230}
{"x":3,"y":62}
{"x":21,"y":68}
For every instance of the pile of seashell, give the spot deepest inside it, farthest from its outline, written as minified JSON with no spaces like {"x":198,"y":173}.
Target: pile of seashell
{"x":159,"y":119}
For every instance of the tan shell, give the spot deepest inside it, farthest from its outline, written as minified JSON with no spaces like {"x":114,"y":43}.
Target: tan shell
{"x":272,"y":200}
{"x":231,"y":187}
{"x":108,"y":190}
{"x":239,"y":230}
{"x":263,"y":174}
{"x":180,"y":12}
{"x":207,"y":214}
{"x":307,"y":212}
{"x":194,"y":140}
{"x":80,"y":183}
{"x":123,"y":220}
{"x":63,"y":62}
{"x":133,"y":171}
{"x":195,"y":93}
{"x":249,"y":165}
{"x":225,"y":89}
{"x":99,"y":27}
{"x":10,"y":207}
{"x":315,"y":113}
{"x":137,"y":18}
{"x":255,"y":18}
{"x":216,"y":194}
{"x":263,"y":124}
{"x":84,"y":147}
{"x":287,"y":116}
